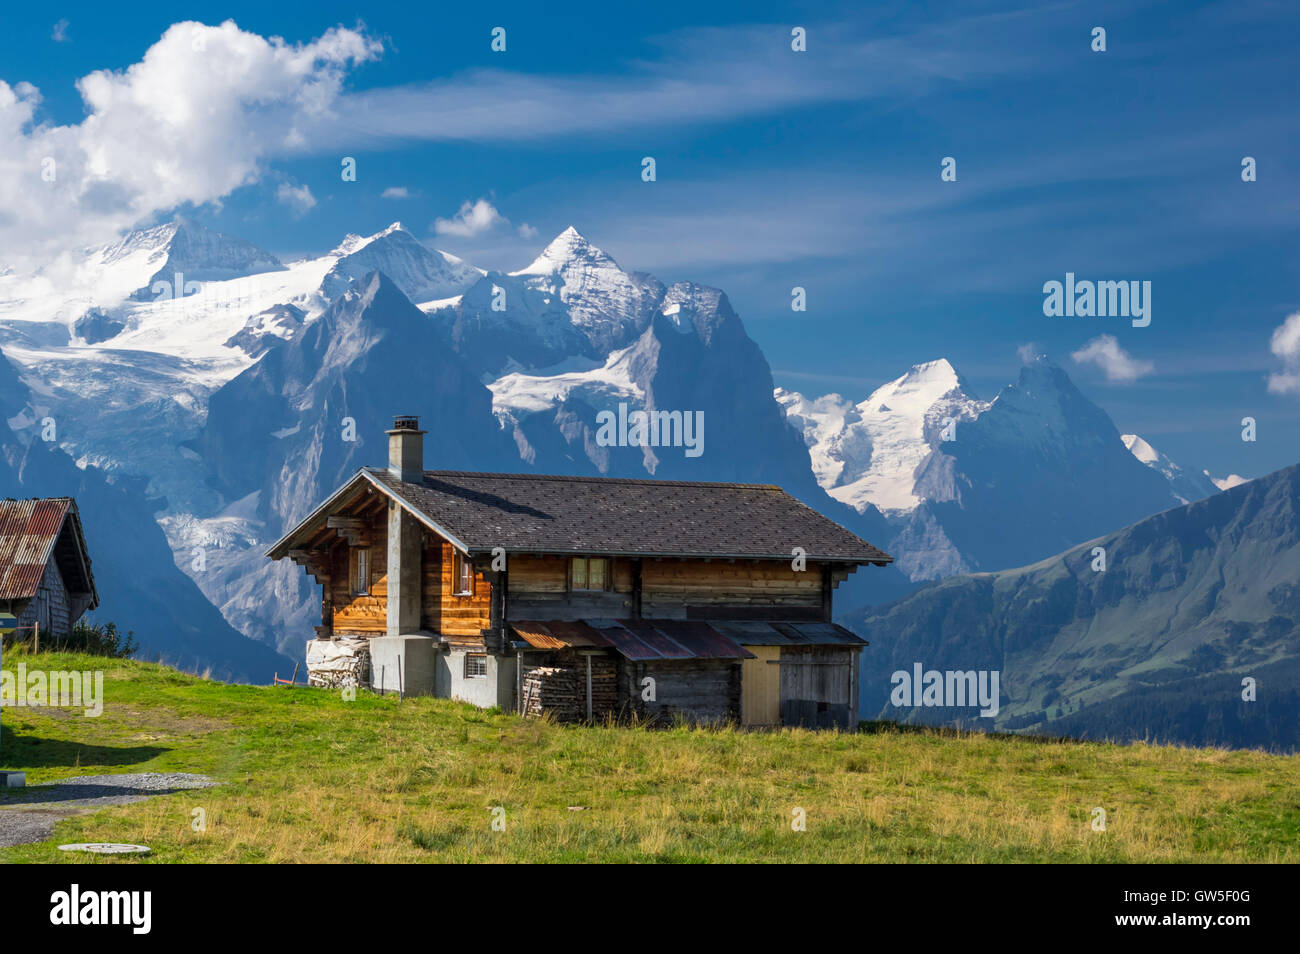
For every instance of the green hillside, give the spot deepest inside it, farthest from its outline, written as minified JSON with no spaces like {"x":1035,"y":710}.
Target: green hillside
{"x":309,"y":776}
{"x":1155,"y":646}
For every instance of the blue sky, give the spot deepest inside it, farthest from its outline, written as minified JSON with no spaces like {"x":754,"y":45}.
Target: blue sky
{"x":818,"y":169}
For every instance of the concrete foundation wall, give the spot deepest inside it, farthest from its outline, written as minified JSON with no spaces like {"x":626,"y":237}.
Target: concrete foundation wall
{"x":497,"y":688}
{"x":404,"y":663}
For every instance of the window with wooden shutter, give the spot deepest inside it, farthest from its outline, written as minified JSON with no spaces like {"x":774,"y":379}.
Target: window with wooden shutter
{"x":360,"y":571}
{"x":463,"y":575}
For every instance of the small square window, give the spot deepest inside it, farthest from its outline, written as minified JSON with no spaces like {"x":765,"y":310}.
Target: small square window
{"x":589,"y":573}
{"x":475,"y":666}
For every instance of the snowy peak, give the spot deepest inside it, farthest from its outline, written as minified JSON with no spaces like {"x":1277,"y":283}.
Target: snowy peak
{"x":198,"y":253}
{"x":920,"y":389}
{"x":421,"y":273}
{"x":1140,"y":449}
{"x":869,"y":453}
{"x":567,"y":252}
{"x":1187,"y":485}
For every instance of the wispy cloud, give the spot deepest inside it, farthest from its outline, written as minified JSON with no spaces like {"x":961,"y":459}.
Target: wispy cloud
{"x":60,"y":32}
{"x":298,"y":198}
{"x":396,"y":192}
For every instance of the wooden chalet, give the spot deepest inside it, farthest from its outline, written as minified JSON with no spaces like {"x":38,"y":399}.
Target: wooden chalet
{"x":45,"y":577}
{"x":583,"y":596}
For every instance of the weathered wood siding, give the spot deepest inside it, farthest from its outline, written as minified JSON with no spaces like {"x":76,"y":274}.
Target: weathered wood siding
{"x":670,"y":589}
{"x":698,"y":690}
{"x":442,"y":611}
{"x":818,"y":687}
{"x":49,"y":606}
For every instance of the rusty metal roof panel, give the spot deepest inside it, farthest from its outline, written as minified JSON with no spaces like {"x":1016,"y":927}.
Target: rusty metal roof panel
{"x":559,"y":634}
{"x":28,"y":531}
{"x":19,"y":582}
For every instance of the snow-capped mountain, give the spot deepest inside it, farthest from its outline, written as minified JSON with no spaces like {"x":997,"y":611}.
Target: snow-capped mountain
{"x":185,"y":248}
{"x":233,"y":407}
{"x":421,"y":273}
{"x":869,"y":453}
{"x":972,"y":485}
{"x":1187,"y":485}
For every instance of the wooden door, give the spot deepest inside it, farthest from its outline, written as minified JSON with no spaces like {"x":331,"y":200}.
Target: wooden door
{"x":760,"y":687}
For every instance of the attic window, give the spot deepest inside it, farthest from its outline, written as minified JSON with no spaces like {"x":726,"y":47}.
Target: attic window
{"x":589,"y":573}
{"x":360,"y":571}
{"x":462,"y":575}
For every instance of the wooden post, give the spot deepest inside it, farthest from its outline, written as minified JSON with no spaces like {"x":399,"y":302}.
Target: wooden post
{"x":636,"y":588}
{"x":588,"y":688}
{"x":36,"y":637}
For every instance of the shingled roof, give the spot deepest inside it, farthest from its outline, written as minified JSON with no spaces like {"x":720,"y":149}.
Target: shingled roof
{"x":533,"y":513}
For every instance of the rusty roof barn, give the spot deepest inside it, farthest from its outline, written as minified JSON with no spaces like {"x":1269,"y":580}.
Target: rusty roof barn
{"x":581,"y":596}
{"x":45,"y":577}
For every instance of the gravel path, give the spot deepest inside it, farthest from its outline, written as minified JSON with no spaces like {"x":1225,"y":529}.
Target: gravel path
{"x":29,"y":814}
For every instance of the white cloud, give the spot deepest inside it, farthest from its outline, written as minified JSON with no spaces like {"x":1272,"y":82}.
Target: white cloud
{"x":1285,"y":344}
{"x":200,"y":115}
{"x":1117,"y":364}
{"x":396,"y":192}
{"x":60,"y":32}
{"x":298,"y":198}
{"x":526,"y":231}
{"x":474,"y":218}
{"x":1028,"y":351}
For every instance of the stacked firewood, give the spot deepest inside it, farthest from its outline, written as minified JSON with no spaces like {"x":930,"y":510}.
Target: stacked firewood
{"x":562,"y":690}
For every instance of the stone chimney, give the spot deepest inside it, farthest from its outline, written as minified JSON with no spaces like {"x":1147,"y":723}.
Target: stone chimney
{"x":406,"y":449}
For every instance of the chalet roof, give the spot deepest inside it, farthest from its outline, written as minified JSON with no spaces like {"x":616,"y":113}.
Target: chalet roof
{"x":532,"y":513}
{"x":31,"y":533}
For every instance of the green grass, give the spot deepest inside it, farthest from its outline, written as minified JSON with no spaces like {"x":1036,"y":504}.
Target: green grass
{"x":310,"y":777}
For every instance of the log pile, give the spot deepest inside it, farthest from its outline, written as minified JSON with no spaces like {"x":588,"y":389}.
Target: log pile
{"x":561,"y":690}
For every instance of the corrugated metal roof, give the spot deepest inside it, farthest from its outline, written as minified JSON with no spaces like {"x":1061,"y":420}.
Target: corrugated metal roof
{"x":28,"y":531}
{"x":788,"y":633}
{"x":640,"y":640}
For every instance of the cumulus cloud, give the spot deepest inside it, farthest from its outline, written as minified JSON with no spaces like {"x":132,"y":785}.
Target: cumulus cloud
{"x":1117,"y":364}
{"x":200,"y":115}
{"x":396,"y":192}
{"x":298,"y":198}
{"x":526,"y":231}
{"x":474,"y":218}
{"x":1285,"y":344}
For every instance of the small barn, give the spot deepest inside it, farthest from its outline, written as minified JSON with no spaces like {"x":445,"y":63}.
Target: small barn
{"x":45,"y":575}
{"x":582,"y":597}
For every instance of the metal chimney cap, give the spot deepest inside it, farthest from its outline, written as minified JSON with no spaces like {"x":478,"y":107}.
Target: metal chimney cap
{"x":406,"y":422}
